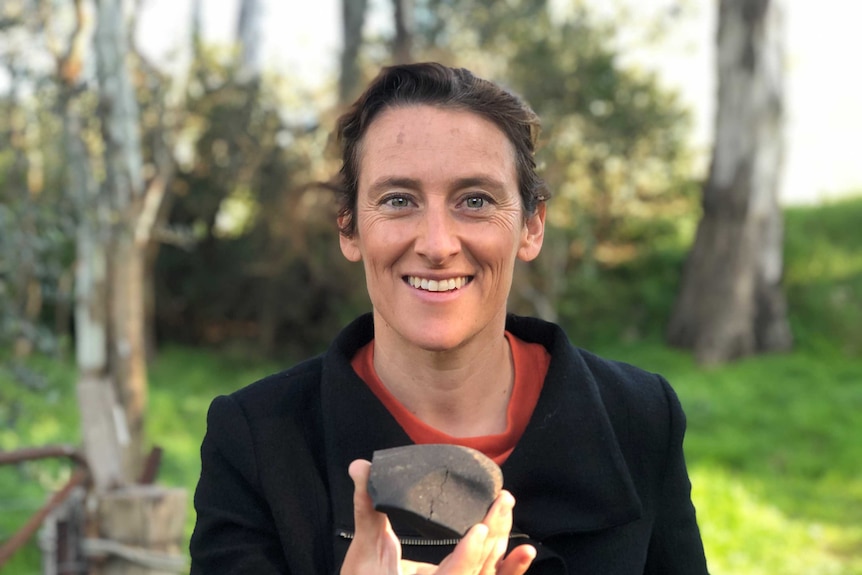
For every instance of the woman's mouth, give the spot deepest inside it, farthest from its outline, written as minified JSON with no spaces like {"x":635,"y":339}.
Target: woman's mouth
{"x":438,"y":285}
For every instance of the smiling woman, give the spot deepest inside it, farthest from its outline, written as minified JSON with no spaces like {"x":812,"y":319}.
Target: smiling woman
{"x":438,"y":202}
{"x":439,"y":199}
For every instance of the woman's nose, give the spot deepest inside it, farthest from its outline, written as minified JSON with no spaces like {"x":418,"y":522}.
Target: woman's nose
{"x":436,"y":235}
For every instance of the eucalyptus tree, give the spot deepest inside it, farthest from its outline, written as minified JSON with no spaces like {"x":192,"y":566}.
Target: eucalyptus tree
{"x":121,"y":192}
{"x":353,"y":14}
{"x":730,"y":302}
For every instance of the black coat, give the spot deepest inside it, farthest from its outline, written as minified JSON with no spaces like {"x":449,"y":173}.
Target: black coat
{"x":599,"y":476}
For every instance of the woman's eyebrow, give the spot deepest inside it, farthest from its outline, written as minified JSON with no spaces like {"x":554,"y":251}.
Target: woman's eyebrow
{"x":405,"y":183}
{"x":486,"y":182}
{"x":389,"y":182}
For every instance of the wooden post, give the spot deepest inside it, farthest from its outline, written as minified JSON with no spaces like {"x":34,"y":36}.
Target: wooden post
{"x":140,"y":529}
{"x":61,"y":537}
{"x":104,"y":429}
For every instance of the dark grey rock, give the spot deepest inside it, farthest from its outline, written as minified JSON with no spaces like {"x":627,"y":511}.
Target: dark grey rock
{"x":438,"y":490}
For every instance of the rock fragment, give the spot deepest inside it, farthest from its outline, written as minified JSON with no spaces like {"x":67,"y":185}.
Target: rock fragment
{"x":438,"y":490}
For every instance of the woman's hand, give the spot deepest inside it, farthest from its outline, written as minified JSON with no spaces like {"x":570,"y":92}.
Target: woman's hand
{"x":375,"y":549}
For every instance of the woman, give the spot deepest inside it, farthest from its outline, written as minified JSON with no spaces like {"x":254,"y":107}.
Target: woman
{"x":440,"y":198}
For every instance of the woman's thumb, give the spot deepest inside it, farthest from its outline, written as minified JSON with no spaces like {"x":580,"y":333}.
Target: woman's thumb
{"x":366,"y":519}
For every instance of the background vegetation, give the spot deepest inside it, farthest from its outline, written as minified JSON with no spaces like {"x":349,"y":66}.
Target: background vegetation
{"x":772,"y":444}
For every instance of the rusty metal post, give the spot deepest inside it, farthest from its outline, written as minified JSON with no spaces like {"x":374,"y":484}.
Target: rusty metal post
{"x":79,"y":478}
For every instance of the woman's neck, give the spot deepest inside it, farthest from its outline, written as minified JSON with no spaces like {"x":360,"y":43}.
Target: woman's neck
{"x":463,"y":392}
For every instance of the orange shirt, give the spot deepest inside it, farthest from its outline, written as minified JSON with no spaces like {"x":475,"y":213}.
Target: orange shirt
{"x":531,"y":361}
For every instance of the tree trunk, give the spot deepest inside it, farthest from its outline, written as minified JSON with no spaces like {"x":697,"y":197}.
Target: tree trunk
{"x":250,"y":39}
{"x":403,"y":46}
{"x":120,"y":121}
{"x":139,"y":528}
{"x":730,"y":302}
{"x":96,"y":396}
{"x":353,"y":13}
{"x":196,"y":28}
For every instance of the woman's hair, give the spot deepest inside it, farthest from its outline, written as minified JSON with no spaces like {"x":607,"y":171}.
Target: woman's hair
{"x":444,"y":87}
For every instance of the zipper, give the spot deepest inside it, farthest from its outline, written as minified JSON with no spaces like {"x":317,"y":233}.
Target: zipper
{"x":422,"y":541}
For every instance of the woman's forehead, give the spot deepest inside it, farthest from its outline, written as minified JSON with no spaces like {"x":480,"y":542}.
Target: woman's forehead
{"x":452,"y":139}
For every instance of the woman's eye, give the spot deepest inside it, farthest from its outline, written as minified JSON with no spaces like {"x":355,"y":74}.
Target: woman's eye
{"x":397,"y":202}
{"x":475,"y":202}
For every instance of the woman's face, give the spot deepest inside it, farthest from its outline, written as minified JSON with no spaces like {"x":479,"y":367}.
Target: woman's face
{"x":439,"y":223}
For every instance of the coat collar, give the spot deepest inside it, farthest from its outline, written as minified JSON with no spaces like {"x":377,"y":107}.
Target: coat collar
{"x":567,"y":472}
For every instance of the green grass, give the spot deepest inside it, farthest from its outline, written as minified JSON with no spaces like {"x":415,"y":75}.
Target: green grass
{"x":773,"y":450}
{"x":773,"y":442}
{"x":823,"y":267}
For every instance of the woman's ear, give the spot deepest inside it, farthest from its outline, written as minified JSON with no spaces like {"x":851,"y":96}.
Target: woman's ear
{"x":533,"y":234}
{"x":349,"y":244}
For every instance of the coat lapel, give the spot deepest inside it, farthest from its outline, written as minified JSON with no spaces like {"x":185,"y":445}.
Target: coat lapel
{"x":355,"y":423}
{"x":567,"y":472}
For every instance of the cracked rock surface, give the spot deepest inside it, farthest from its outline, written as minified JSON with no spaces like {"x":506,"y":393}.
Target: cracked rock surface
{"x":436,"y":491}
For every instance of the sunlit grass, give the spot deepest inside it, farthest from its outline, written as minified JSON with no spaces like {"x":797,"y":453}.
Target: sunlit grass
{"x":746,"y":534}
{"x":774,"y":451}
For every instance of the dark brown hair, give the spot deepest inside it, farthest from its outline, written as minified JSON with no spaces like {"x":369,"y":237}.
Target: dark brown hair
{"x":437,"y":85}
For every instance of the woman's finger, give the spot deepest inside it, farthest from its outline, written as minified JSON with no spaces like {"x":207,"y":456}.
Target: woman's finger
{"x":415,"y":568}
{"x":375,"y":549}
{"x":365,"y":518}
{"x":499,"y":522}
{"x":469,"y":555}
{"x":518,"y":561}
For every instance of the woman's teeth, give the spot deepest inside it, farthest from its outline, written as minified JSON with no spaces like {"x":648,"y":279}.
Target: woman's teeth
{"x":437,"y":285}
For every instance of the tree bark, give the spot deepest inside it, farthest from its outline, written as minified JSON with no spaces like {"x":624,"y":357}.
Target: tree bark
{"x":96,"y":395}
{"x":196,"y":28}
{"x":730,"y":302}
{"x":402,"y":51}
{"x":115,"y":226}
{"x":120,"y":122}
{"x":353,"y":14}
{"x":250,"y":39}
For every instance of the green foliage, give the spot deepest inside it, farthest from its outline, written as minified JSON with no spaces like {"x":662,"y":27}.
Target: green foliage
{"x":823,"y":276}
{"x":629,"y":302}
{"x":772,"y":446}
{"x":36,"y":227}
{"x":265,"y":264}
